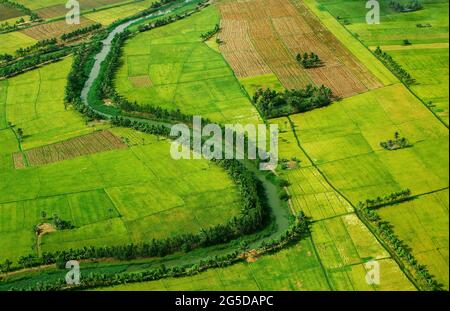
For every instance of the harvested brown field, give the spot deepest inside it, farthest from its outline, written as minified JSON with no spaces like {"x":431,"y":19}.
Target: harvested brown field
{"x":264,"y":36}
{"x":84,"y":145}
{"x":18,"y":160}
{"x":7,"y":12}
{"x":141,"y":81}
{"x":54,"y":29}
{"x":60,"y":9}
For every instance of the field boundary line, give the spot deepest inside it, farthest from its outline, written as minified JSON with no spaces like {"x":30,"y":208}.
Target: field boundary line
{"x":392,"y":253}
{"x":322,"y":266}
{"x":250,"y":268}
{"x":332,"y":217}
{"x":37,"y":95}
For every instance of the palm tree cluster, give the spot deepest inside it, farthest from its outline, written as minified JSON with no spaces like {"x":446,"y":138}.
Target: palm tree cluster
{"x":274,"y":104}
{"x":31,"y":62}
{"x":311,"y":60}
{"x":46,"y":45}
{"x":61,"y":224}
{"x":161,"y":22}
{"x":396,"y":143}
{"x":408,"y":7}
{"x":395,"y":67}
{"x":80,"y":31}
{"x":208,"y":35}
{"x":395,"y":197}
{"x":384,"y":230}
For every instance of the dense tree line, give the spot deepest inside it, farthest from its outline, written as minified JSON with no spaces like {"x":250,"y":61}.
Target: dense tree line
{"x":393,"y":198}
{"x":384,"y":230}
{"x":395,"y":67}
{"x":46,"y":45}
{"x":396,"y":143}
{"x":275,"y":104}
{"x":149,"y":111}
{"x":80,"y":31}
{"x":208,"y":35}
{"x":298,"y":229}
{"x":307,"y":61}
{"x":163,"y":21}
{"x":31,"y":62}
{"x":6,"y":58}
{"x":408,"y":7}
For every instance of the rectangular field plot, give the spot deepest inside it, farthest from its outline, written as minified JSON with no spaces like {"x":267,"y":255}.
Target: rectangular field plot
{"x":311,"y":194}
{"x":57,"y":8}
{"x":108,"y":16}
{"x":72,"y":148}
{"x":184,"y":72}
{"x":354,"y":278}
{"x":344,"y":140}
{"x":423,"y":225}
{"x":344,"y":241}
{"x":35,"y":103}
{"x":54,"y":29}
{"x":264,"y":36}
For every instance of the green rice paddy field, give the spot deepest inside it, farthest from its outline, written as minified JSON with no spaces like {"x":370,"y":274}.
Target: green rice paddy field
{"x":126,"y":195}
{"x":184,"y":72}
{"x":428,"y":65}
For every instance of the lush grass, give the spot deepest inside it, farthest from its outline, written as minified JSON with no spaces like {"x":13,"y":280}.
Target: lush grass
{"x":127,"y":195}
{"x":12,"y":41}
{"x":429,"y":66}
{"x":344,"y":138}
{"x":423,"y":225}
{"x":185,"y":73}
{"x":34,"y":5}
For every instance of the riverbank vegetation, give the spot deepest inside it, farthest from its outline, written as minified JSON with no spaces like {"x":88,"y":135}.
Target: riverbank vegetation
{"x":273,"y":104}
